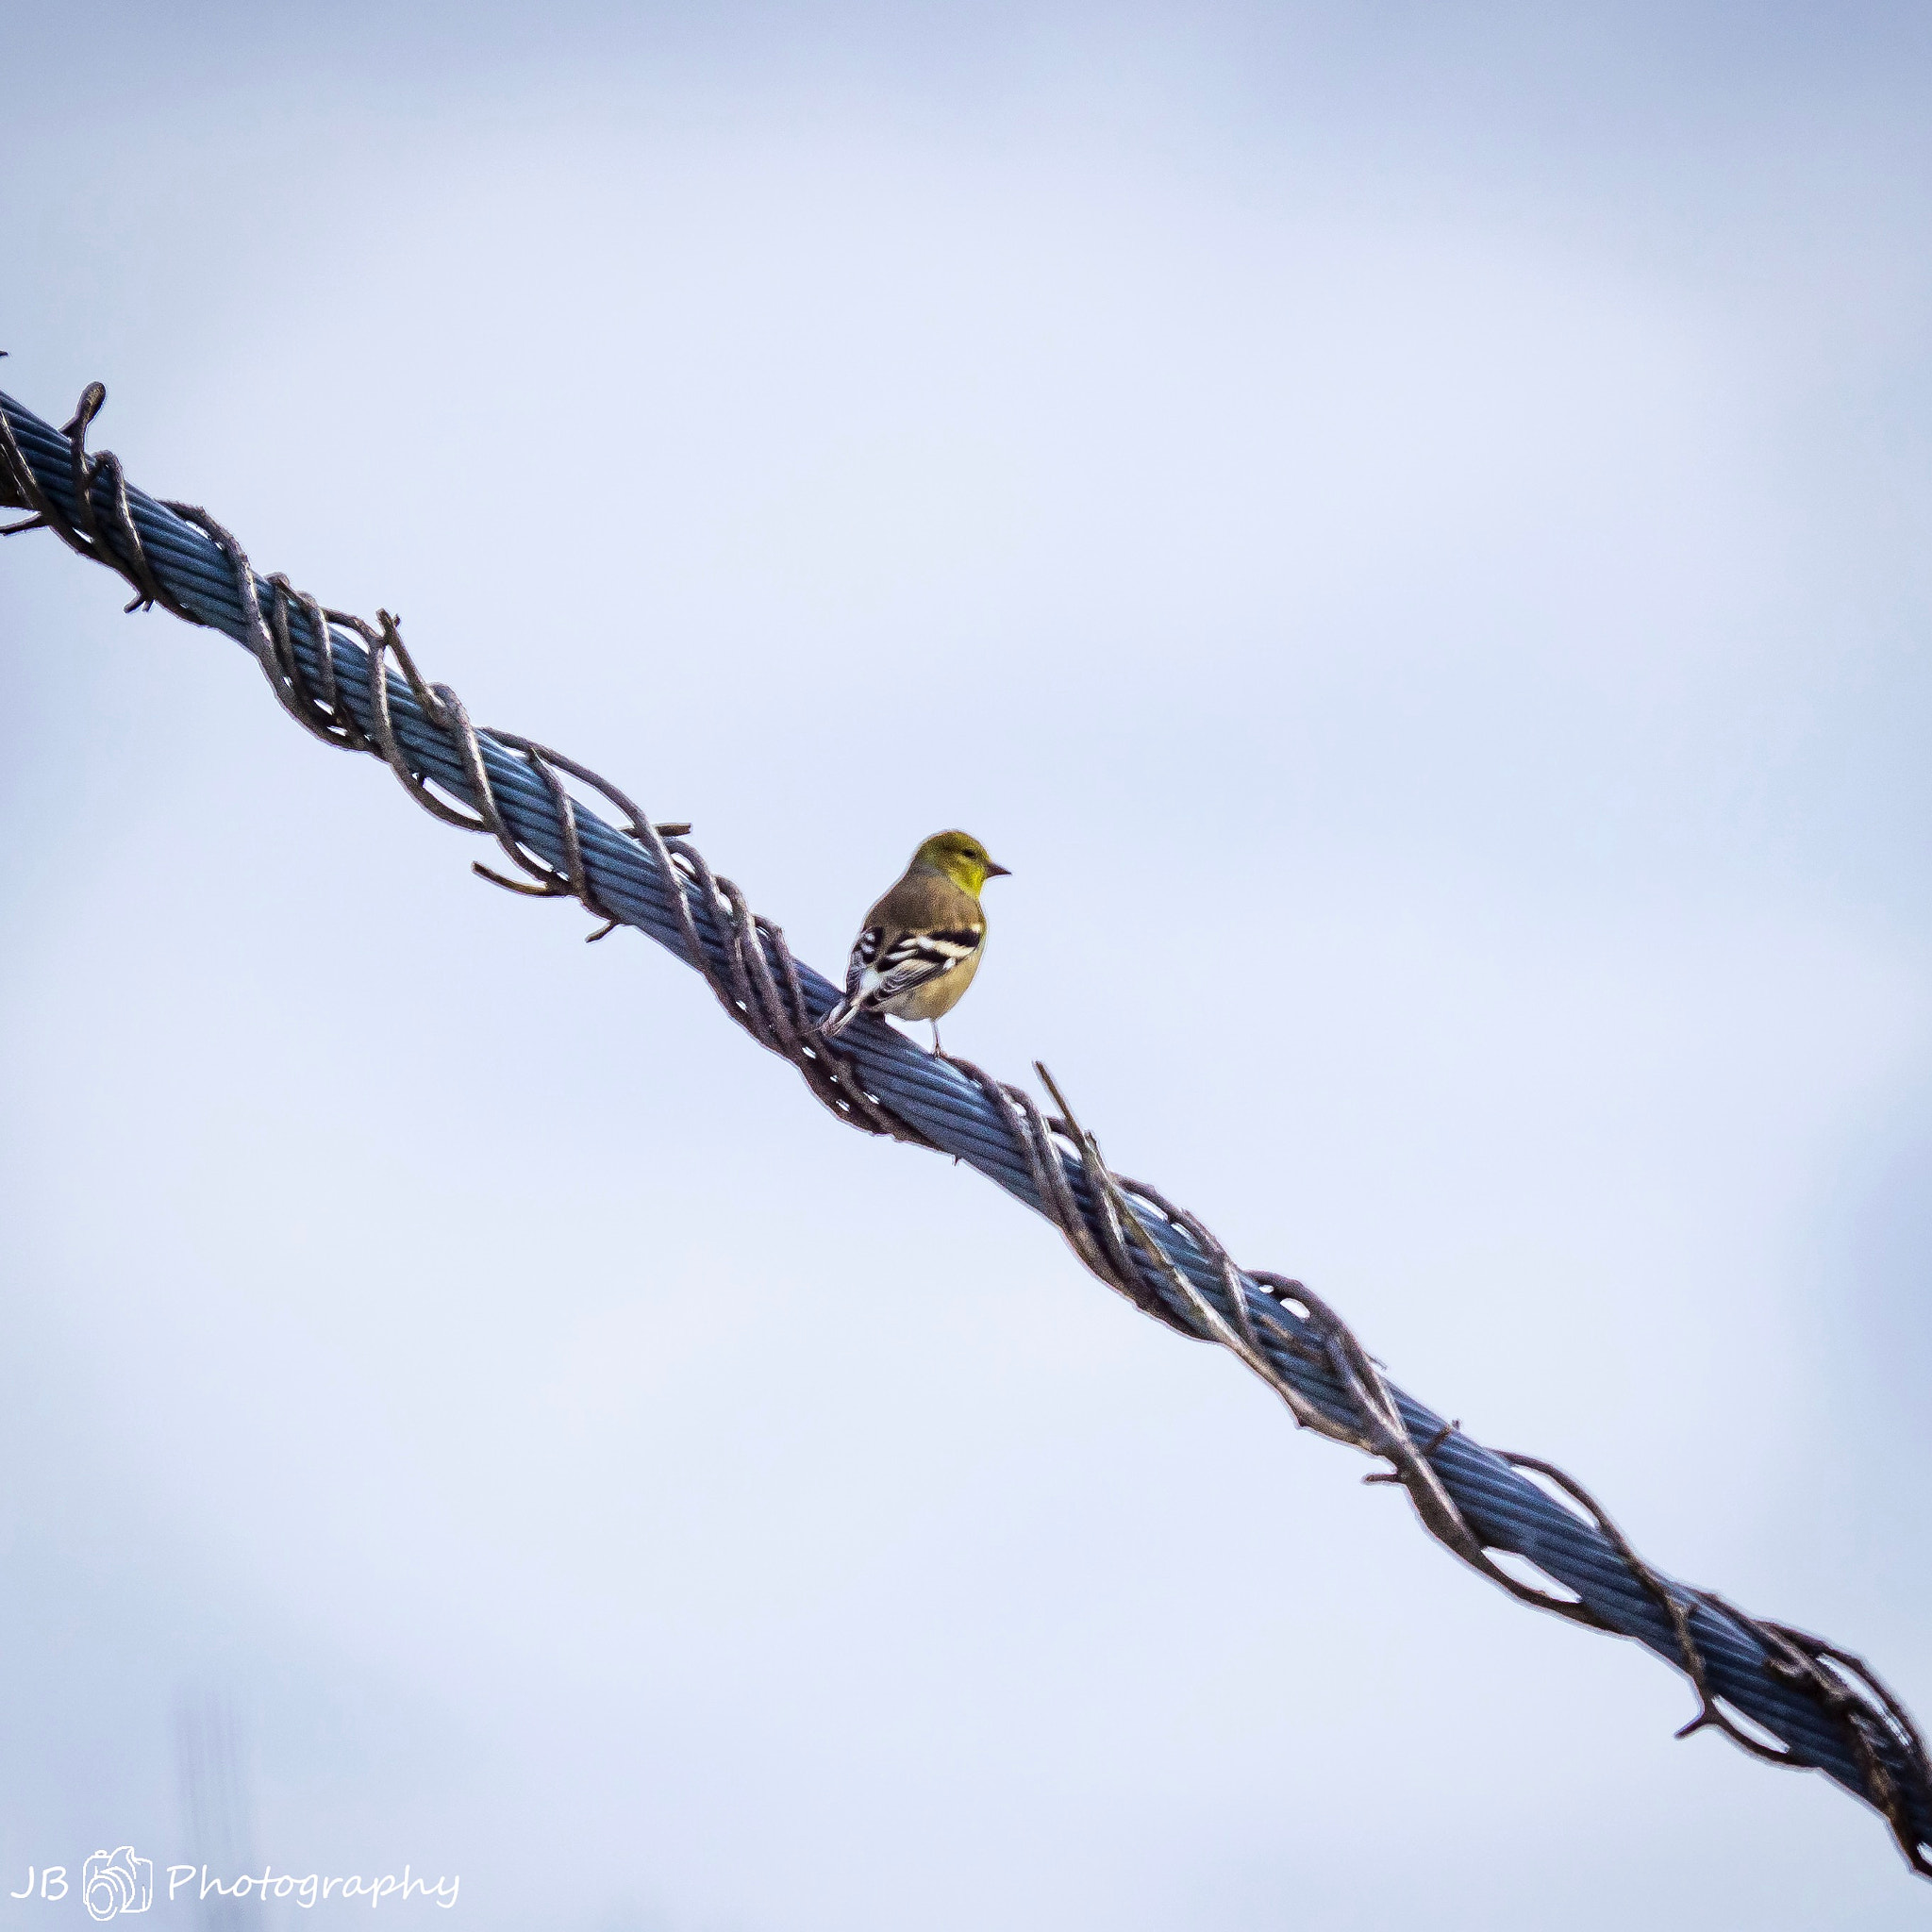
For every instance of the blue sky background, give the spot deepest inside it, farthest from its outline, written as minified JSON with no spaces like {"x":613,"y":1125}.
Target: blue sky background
{"x":1406,"y":529}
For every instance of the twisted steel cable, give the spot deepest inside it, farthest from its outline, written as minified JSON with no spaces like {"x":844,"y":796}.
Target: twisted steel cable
{"x":1825,"y":1709}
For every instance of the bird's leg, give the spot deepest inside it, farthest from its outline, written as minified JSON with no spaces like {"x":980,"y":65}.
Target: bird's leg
{"x":938,"y":1052}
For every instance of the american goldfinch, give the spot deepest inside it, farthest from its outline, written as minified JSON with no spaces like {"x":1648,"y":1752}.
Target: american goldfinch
{"x":922,"y":943}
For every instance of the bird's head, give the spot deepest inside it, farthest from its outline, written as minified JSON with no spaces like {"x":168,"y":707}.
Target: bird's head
{"x":961,"y":857}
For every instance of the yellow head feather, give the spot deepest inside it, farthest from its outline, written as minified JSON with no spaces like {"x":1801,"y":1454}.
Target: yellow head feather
{"x":959,"y":856}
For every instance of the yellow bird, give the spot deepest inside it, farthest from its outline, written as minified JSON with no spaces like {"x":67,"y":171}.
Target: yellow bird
{"x":922,"y":943}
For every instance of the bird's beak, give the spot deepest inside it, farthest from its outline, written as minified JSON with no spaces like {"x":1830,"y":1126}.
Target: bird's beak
{"x":997,"y":871}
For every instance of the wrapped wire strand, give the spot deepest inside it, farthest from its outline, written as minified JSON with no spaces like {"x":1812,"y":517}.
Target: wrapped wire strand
{"x":355,"y":686}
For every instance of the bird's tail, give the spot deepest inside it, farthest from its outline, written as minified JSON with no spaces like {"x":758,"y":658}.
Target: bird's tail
{"x":840,"y":1017}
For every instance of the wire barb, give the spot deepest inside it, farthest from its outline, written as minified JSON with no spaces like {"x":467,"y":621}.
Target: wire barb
{"x":355,"y":686}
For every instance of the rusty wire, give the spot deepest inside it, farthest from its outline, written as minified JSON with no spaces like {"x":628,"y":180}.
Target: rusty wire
{"x":1838,"y":1715}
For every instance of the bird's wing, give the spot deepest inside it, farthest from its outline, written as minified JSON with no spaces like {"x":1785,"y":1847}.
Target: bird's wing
{"x":916,"y":958}
{"x":865,"y":949}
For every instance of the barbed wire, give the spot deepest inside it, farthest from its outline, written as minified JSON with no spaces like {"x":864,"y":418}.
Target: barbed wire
{"x":355,"y":686}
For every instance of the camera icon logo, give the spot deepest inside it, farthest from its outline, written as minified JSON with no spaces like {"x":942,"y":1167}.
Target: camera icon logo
{"x":117,"y":1881}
